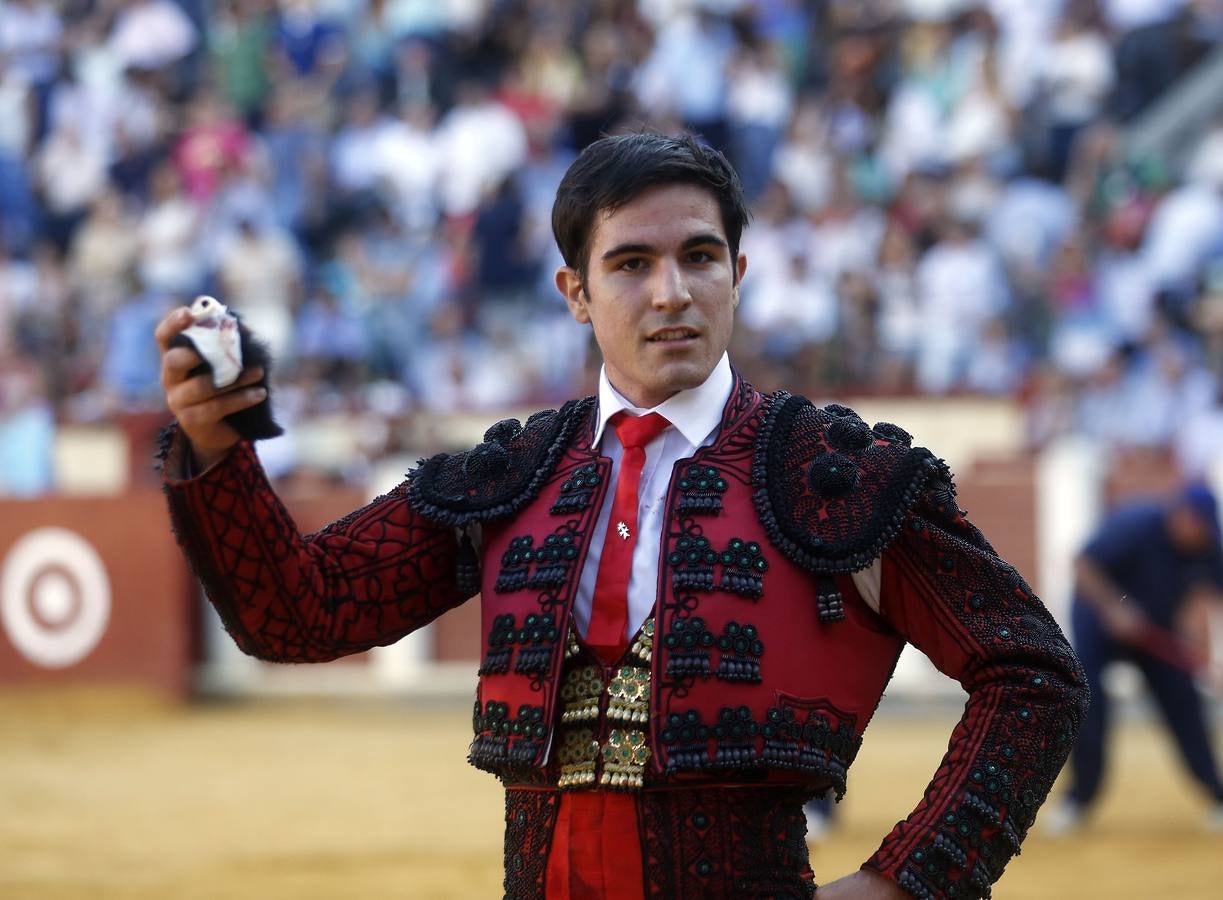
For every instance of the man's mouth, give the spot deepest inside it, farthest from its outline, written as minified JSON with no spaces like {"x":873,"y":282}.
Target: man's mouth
{"x":672,"y":335}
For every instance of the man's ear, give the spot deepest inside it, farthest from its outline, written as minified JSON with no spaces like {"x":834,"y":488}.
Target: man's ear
{"x":569,"y":283}
{"x":740,"y":271}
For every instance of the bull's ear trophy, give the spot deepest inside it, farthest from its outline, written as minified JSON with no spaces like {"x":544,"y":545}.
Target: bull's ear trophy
{"x":227,"y":347}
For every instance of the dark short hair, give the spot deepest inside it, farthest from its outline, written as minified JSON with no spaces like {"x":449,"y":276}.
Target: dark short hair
{"x":613,"y":170}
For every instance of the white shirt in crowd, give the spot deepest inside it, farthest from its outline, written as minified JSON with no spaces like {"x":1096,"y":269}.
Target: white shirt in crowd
{"x":151,"y":34}
{"x":1126,"y":15}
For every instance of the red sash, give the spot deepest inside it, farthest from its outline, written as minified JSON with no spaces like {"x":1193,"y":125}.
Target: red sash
{"x":596,"y":848}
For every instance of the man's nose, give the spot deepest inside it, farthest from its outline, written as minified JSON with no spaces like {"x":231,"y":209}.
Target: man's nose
{"x":671,"y":289}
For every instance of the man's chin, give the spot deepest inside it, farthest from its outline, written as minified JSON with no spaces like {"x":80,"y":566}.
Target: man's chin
{"x":671,"y":378}
{"x":657,"y":381}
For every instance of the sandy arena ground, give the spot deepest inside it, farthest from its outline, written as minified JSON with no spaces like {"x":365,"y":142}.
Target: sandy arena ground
{"x":118,"y":796}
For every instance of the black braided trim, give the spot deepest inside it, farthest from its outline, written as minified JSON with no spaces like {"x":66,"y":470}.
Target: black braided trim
{"x":494,"y":480}
{"x":832,"y":503}
{"x":713,"y":843}
{"x":163,"y":444}
{"x":530,"y":817}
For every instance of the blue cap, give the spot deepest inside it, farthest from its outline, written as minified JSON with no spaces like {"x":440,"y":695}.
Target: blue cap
{"x":1198,"y":497}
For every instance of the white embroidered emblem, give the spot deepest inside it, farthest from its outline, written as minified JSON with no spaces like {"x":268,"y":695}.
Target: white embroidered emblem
{"x":622,"y":530}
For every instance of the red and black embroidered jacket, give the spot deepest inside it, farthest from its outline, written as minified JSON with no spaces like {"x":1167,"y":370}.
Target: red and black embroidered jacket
{"x":766,"y":663}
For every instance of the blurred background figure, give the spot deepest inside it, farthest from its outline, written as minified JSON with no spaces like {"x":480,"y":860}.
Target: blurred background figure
{"x":27,"y":431}
{"x":1139,"y":586}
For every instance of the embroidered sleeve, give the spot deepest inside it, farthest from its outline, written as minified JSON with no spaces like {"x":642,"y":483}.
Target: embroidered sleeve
{"x":363,"y":581}
{"x":946,"y":590}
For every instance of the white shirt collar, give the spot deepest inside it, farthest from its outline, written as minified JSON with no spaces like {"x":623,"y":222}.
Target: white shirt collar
{"x":694,"y":413}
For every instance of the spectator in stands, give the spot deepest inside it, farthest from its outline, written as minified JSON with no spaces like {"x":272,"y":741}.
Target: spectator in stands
{"x":1198,"y":437}
{"x":998,"y":364}
{"x":31,"y":37}
{"x":239,"y":43}
{"x":505,"y":271}
{"x":18,"y":209}
{"x":479,"y":142}
{"x":759,"y":105}
{"x":845,"y":230}
{"x":551,"y":72}
{"x":1182,"y":235}
{"x":602,"y":96}
{"x":213,"y":143}
{"x":169,"y":257}
{"x":1205,"y":164}
{"x":912,"y":137}
{"x":260,"y":274}
{"x":409,"y":162}
{"x":1077,"y":76}
{"x":791,"y":314}
{"x":456,"y":369}
{"x":960,"y":288}
{"x":898,"y":318}
{"x":357,"y":166}
{"x":136,"y":148}
{"x":103,"y":254}
{"x":129,"y":376}
{"x":686,"y":72}
{"x":154,"y":36}
{"x":304,"y":36}
{"x":70,"y":173}
{"x":390,"y":277}
{"x":804,"y":163}
{"x":27,"y":429}
{"x":980,"y":125}
{"x":295,"y":146}
{"x":1149,"y":49}
{"x":331,"y":341}
{"x":1102,"y":400}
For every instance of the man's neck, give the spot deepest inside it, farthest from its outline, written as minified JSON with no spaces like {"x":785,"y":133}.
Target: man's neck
{"x":695,"y":412}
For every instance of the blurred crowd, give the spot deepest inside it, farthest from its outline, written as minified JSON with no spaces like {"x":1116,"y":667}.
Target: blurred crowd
{"x":942,"y":194}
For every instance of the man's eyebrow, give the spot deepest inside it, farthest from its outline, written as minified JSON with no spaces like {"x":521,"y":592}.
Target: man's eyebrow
{"x":696,"y":240}
{"x":622,"y":249}
{"x":709,"y":238}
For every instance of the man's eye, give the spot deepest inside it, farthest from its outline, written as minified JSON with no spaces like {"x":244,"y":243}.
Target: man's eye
{"x":633,"y":264}
{"x":700,"y":256}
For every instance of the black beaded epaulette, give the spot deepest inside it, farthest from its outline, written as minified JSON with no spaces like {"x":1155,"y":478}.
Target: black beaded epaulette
{"x":500,"y":476}
{"x":831,"y":491}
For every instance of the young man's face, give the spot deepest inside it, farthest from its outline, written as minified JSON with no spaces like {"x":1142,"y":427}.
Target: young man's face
{"x":661,"y":291}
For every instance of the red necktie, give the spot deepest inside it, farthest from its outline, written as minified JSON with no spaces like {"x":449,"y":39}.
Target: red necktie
{"x":609,"y":615}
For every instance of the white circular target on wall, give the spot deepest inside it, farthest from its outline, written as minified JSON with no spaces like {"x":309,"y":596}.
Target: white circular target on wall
{"x":54,"y":597}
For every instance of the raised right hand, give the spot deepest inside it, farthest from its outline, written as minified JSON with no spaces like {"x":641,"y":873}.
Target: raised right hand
{"x":199,"y":407}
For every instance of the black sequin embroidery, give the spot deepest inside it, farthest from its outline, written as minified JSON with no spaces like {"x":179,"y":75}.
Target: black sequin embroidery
{"x":701,"y":489}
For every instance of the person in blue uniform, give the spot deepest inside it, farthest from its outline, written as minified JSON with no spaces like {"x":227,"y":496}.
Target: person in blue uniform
{"x":1135,"y":581}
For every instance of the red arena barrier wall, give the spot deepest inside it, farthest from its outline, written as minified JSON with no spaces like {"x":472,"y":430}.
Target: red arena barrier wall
{"x":95,"y":591}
